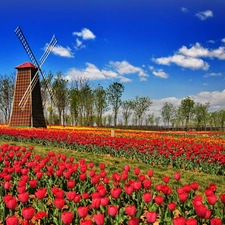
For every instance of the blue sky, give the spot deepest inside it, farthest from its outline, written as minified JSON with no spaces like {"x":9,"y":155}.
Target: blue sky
{"x":163,"y":49}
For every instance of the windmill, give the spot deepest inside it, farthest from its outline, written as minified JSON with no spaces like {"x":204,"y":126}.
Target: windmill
{"x":27,"y":107}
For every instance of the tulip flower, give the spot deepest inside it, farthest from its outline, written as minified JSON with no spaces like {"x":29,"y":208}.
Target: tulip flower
{"x":133,"y":221}
{"x":151,"y":217}
{"x":171,"y":206}
{"x":147,"y":197}
{"x":28,"y":213}
{"x":130,"y":210}
{"x":12,"y":220}
{"x":179,"y":221}
{"x":99,"y":219}
{"x":82,"y":211}
{"x":215,"y":221}
{"x":159,"y":200}
{"x":191,"y":221}
{"x":40,"y":193}
{"x":23,"y":197}
{"x":166,"y":179}
{"x":177,"y":176}
{"x":222,"y":198}
{"x":112,"y":210}
{"x":59,"y":203}
{"x":115,"y":192}
{"x":86,"y":222}
{"x":67,"y":218}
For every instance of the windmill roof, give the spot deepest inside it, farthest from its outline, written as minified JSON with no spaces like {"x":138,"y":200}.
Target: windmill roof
{"x":26,"y":65}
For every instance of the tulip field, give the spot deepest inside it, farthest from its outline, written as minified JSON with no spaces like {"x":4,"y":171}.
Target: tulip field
{"x":58,"y":188}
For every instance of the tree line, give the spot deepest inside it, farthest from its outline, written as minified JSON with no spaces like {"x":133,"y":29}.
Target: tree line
{"x":81,"y":103}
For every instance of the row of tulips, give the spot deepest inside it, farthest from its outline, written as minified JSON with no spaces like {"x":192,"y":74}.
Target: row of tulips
{"x":190,"y":153}
{"x":56,"y":189}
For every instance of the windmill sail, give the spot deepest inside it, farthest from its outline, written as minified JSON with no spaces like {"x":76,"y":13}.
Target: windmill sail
{"x":33,"y":82}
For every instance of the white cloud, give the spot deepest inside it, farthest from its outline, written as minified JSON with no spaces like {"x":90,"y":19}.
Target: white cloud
{"x":160,"y":73}
{"x":116,"y":70}
{"x":184,"y":10}
{"x":223,"y":40}
{"x":91,"y":72}
{"x":204,"y":15}
{"x":183,"y":61}
{"x":61,"y":51}
{"x":85,"y":34}
{"x":195,"y":51}
{"x":213,"y":75}
{"x":216,"y":99}
{"x":124,"y":68}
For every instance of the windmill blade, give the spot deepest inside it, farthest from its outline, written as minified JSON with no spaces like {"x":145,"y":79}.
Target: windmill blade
{"x":27,"y":48}
{"x":48,"y":50}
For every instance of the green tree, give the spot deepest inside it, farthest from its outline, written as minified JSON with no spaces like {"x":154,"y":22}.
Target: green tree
{"x":114,"y":94}
{"x":60,"y":91}
{"x":141,"y":105}
{"x":167,"y":113}
{"x":201,"y":114}
{"x":6,"y":95}
{"x":187,"y":109}
{"x":100,"y":101}
{"x":127,"y":107}
{"x":221,"y":116}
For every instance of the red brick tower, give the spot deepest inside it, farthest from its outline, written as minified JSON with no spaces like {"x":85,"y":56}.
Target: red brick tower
{"x":31,"y":115}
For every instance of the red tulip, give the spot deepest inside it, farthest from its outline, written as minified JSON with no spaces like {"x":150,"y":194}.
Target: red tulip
{"x":177,"y":176}
{"x":147,"y":184}
{"x":112,"y":210}
{"x":171,"y":206}
{"x":96,"y":202}
{"x":12,"y":220}
{"x":59,"y":203}
{"x":222,"y":198}
{"x":166,"y":179}
{"x":133,"y":221}
{"x":179,"y":221}
{"x":33,"y":183}
{"x":82,"y":211}
{"x":67,"y":218}
{"x":102,"y":166}
{"x":130,"y":210}
{"x":86,"y":222}
{"x":183,"y":197}
{"x":28,"y":213}
{"x":151,"y":217}
{"x":137,"y":171}
{"x":71,"y":195}
{"x":104,"y":201}
{"x":147,"y":197}
{"x":71,"y":183}
{"x":191,"y":221}
{"x":59,"y":193}
{"x":91,"y":165}
{"x":10,"y":201}
{"x":99,"y":219}
{"x":194,"y":186}
{"x":150,"y":173}
{"x":115,"y":192}
{"x":40,"y":193}
{"x":129,"y":190}
{"x":23,"y":197}
{"x":215,"y":221}
{"x":85,"y":195}
{"x":159,"y":200}
{"x":40,"y":215}
{"x":83,"y":176}
{"x":212,"y":199}
{"x":201,"y":211}
{"x":7,"y":185}
{"x":77,"y":198}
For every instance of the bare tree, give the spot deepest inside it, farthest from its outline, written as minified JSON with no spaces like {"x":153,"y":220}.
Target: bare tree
{"x":6,"y":95}
{"x":127,"y":107}
{"x":114,"y":93}
{"x":141,"y":105}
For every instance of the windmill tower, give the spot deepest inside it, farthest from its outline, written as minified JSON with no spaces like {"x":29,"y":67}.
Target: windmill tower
{"x":27,"y":107}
